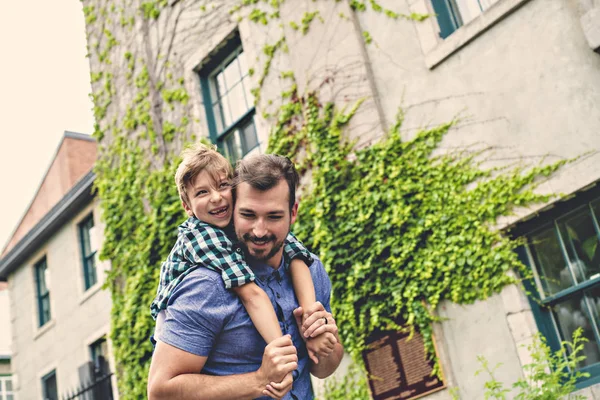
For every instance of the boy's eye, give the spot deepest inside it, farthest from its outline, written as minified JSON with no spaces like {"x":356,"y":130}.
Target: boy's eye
{"x":224,"y":185}
{"x":201,"y":192}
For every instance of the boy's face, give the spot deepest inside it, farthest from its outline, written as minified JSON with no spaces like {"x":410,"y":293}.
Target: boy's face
{"x":209,"y":201}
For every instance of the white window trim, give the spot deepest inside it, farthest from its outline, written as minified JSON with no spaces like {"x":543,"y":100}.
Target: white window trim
{"x":437,"y":49}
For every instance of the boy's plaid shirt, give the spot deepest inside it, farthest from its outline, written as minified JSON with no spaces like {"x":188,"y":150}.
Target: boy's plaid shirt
{"x":202,"y":245}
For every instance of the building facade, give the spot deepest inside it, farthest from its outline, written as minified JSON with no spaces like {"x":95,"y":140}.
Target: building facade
{"x":6,"y":383}
{"x":60,"y":316}
{"x":521,"y":76}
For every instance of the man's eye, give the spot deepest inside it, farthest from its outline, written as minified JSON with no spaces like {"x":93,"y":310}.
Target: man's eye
{"x":246,"y":215}
{"x":275,"y":217}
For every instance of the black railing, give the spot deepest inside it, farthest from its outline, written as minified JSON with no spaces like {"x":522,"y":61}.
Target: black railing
{"x":95,"y":382}
{"x":101,"y":389}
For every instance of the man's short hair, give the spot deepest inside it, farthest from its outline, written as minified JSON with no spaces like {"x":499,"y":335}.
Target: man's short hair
{"x":264,"y":171}
{"x":195,"y":159}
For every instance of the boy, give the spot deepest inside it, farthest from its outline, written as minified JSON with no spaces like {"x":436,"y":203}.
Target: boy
{"x":204,"y":184}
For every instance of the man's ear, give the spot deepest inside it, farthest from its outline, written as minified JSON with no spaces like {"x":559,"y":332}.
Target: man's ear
{"x":294,"y":213}
{"x":187,"y":209}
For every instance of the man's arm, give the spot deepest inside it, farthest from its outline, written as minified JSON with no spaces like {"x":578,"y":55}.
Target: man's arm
{"x":175,"y":374}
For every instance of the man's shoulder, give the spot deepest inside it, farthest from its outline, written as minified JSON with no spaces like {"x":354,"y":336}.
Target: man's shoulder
{"x":200,"y":280}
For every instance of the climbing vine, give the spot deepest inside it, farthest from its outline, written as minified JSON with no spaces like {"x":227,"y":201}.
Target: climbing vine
{"x":429,"y":236}
{"x":398,"y":228}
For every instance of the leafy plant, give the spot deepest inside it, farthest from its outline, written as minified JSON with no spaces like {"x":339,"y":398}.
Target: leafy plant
{"x":550,"y":375}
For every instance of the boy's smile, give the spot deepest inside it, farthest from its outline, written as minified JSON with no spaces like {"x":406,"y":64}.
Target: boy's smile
{"x":211,"y":202}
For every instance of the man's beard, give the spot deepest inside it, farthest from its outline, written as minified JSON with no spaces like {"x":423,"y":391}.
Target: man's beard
{"x":261,"y":255}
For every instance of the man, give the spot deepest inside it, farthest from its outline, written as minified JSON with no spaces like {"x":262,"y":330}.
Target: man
{"x":207,"y":346}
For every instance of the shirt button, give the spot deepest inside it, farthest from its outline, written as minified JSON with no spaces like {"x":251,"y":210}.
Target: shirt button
{"x":278,"y":295}
{"x":238,"y":250}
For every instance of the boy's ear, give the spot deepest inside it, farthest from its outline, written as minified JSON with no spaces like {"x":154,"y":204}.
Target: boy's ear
{"x":187,"y":209}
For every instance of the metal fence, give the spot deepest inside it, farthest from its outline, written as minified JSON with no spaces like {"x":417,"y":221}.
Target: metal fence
{"x":100,"y":389}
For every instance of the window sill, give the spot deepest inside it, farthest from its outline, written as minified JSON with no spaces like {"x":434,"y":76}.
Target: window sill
{"x":466,"y":33}
{"x":43,"y":329}
{"x":92,"y":290}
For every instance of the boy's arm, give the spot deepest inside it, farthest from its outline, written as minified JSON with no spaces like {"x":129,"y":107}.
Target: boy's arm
{"x":293,"y":249}
{"x":261,"y":311}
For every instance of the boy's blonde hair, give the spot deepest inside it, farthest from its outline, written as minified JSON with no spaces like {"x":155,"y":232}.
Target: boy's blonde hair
{"x":195,"y":159}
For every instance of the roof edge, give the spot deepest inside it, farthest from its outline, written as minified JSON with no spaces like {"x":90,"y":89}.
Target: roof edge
{"x":66,"y":134}
{"x":79,"y":194}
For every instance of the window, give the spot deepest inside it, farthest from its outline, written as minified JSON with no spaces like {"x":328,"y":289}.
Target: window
{"x":564,"y":254}
{"x":43,"y":291}
{"x":228,"y":101}
{"x":98,"y":354}
{"x":452,"y":14}
{"x":6,"y":389}
{"x":49,"y":388}
{"x":88,"y":252}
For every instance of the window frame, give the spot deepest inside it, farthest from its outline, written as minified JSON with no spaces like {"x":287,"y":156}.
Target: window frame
{"x":435,"y":49}
{"x":45,"y":378}
{"x":541,"y":304}
{"x":3,"y":391}
{"x":90,"y":274}
{"x":216,"y":63}
{"x":42,"y":297}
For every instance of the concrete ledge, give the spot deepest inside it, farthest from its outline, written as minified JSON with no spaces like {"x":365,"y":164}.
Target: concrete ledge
{"x":590,"y":23}
{"x":466,"y":33}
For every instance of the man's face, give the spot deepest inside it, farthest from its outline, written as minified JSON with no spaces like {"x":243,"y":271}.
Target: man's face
{"x":210,"y":201}
{"x":262,"y":221}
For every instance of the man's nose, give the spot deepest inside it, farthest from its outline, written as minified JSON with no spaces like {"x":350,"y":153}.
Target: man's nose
{"x":259,"y":229}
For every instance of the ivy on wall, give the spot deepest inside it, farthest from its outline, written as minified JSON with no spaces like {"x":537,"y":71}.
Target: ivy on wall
{"x":398,"y":228}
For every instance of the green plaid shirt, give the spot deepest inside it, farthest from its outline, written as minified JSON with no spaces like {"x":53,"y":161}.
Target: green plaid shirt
{"x":201,"y":244}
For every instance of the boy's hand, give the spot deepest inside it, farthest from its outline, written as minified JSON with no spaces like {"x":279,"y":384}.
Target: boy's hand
{"x":321,"y":346}
{"x":278,"y":390}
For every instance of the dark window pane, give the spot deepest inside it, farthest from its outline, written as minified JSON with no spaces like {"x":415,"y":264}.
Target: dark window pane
{"x":50,"y":391}
{"x":581,"y":241}
{"x":574,"y":313}
{"x":233,"y":147}
{"x":8,"y":384}
{"x":551,"y":265}
{"x":249,"y":136}
{"x":227,"y":120}
{"x":218,"y":117}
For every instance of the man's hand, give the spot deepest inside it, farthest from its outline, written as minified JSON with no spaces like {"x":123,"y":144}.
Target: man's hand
{"x":279,"y":359}
{"x":318,"y":321}
{"x":278,"y":390}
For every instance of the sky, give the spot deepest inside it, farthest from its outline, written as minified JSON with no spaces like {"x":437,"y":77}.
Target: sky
{"x":44,"y":90}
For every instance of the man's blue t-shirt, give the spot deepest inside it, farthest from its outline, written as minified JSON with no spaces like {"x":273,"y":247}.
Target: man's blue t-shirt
{"x":205,"y":319}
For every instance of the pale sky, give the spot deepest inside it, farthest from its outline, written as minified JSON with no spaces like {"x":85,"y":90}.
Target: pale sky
{"x":44,"y":88}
